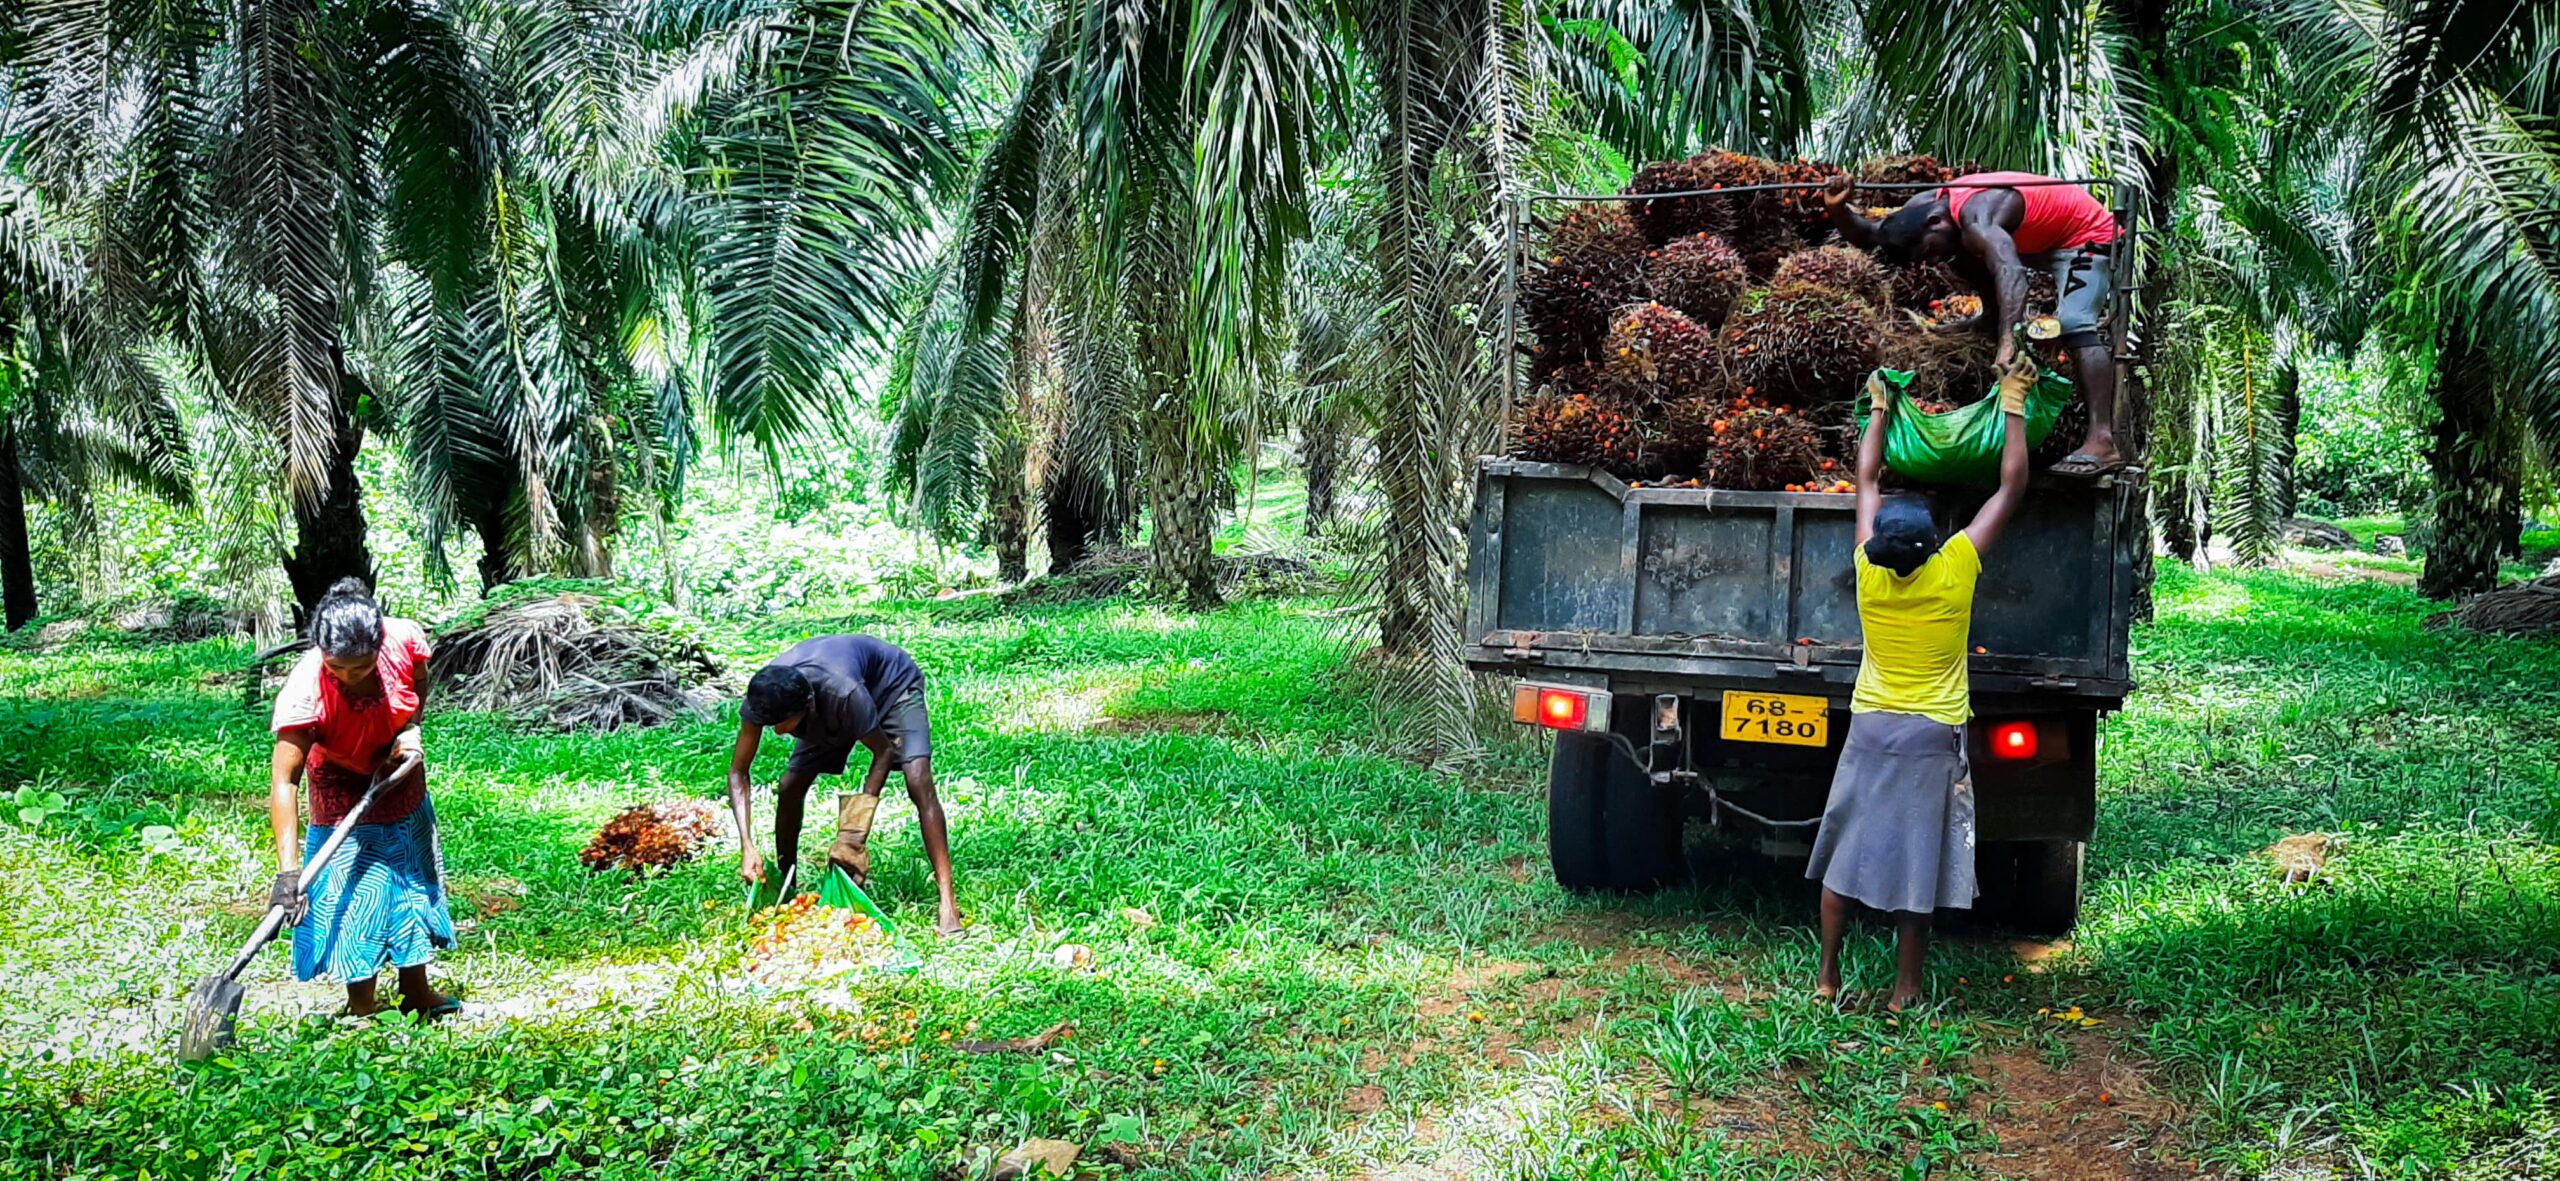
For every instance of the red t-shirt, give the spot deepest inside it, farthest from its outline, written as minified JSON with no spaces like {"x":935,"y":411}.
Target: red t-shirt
{"x":351,"y":735}
{"x":2058,"y":217}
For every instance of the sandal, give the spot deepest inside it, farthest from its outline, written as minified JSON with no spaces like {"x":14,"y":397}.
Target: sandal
{"x":2080,"y":465}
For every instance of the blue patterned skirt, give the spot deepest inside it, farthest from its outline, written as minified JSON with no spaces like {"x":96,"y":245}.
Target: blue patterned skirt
{"x":379,"y":900}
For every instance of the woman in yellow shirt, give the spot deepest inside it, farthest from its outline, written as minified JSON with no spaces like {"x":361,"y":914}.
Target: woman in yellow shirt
{"x":1897,"y":831}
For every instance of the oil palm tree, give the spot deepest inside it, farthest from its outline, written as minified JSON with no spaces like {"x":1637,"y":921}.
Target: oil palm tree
{"x":2455,"y":179}
{"x":453,"y":223}
{"x":77,"y":406}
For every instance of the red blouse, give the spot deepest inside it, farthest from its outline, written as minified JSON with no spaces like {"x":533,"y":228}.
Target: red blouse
{"x":351,"y":734}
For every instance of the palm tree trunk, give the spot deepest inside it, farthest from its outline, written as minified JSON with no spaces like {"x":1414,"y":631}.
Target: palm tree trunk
{"x":600,"y":518}
{"x":2288,"y":394}
{"x":1182,"y":484}
{"x":17,"y":558}
{"x":1068,"y":506}
{"x":497,"y":562}
{"x":2472,"y":463}
{"x":1184,"y":477}
{"x":329,"y":536}
{"x":1321,"y":447}
{"x":1011,"y":508}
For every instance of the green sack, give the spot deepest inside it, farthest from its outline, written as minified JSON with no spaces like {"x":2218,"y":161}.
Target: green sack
{"x":1961,"y":446}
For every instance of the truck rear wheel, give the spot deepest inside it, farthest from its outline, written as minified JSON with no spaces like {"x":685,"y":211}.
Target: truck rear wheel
{"x":1608,"y":828}
{"x":2046,"y":897}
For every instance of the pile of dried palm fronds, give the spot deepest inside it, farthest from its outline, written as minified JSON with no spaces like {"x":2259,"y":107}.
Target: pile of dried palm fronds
{"x":2526,"y":607}
{"x":574,"y":661}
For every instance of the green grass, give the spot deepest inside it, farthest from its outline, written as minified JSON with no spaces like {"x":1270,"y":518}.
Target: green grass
{"x":1312,"y":957}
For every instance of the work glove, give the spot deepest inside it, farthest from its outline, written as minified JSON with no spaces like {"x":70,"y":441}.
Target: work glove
{"x":2015,"y":383}
{"x":852,"y":850}
{"x":287,"y":893}
{"x":1879,"y":395}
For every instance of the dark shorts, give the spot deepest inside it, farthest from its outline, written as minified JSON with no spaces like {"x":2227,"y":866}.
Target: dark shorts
{"x":2084,"y":284}
{"x":910,"y":737}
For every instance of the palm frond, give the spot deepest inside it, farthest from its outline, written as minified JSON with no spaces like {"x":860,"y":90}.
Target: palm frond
{"x":815,"y":192}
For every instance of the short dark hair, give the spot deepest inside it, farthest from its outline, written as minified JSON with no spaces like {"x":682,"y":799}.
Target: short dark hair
{"x":346,"y":623}
{"x":776,"y":693}
{"x":1905,"y":535}
{"x":1899,"y":235}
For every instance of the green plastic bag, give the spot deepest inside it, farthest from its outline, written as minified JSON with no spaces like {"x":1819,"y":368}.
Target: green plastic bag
{"x":1960,"y":446}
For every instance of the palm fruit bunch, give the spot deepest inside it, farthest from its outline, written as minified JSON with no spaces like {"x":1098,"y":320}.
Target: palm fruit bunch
{"x":1812,"y":218}
{"x":1578,"y":428}
{"x":1764,"y":449}
{"x":1655,"y":356}
{"x":1577,"y":377}
{"x":1766,"y":244}
{"x":1699,"y":275}
{"x":1666,"y":218}
{"x":1801,"y":345}
{"x":1594,"y":263}
{"x":1948,"y":369}
{"x":1899,"y":170}
{"x":2042,"y":294}
{"x":1854,"y":273}
{"x":1687,"y":429}
{"x":1923,"y":284}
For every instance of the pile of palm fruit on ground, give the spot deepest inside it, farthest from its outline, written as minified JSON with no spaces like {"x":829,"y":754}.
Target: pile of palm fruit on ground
{"x":1719,"y":341}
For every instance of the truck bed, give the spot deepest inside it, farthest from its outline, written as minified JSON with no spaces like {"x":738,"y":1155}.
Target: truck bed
{"x":1570,"y":569}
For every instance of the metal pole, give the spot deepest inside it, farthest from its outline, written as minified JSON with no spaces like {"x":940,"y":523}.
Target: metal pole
{"x":1514,"y":214}
{"x":1793,"y":185}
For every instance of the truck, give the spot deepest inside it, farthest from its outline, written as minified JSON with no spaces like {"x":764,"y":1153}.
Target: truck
{"x":1694,"y":649}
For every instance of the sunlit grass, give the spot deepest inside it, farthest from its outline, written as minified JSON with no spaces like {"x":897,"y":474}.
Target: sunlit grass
{"x":1310,"y":956}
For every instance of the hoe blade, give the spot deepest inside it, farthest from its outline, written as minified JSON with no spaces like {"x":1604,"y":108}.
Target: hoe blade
{"x":213,"y":1011}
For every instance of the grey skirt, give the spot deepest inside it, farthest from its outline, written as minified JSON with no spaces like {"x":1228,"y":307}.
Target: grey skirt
{"x":1897,"y":833}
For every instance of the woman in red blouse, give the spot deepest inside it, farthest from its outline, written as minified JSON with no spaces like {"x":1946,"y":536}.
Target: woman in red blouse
{"x":348,"y":710}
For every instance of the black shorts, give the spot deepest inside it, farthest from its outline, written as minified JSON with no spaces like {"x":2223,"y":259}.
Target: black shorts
{"x":909,"y":733}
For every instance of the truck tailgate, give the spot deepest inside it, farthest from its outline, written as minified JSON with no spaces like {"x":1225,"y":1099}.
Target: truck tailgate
{"x":1570,"y":568}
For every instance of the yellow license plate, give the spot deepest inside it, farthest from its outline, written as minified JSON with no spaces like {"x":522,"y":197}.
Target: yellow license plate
{"x":1776,"y":717}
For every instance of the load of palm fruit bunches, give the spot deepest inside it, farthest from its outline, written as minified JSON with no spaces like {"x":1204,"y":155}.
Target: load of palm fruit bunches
{"x":1713,"y":341}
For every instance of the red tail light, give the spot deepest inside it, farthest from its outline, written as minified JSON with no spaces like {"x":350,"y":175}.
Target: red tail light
{"x":1559,"y":708}
{"x":2013,"y":740}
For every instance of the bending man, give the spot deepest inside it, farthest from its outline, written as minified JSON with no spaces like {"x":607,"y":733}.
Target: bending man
{"x":1993,"y":230}
{"x":831,"y":694}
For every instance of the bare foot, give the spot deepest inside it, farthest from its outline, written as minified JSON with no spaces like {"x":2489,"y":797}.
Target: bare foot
{"x":365,"y":1008}
{"x":1901,"y":1000}
{"x":1826,"y":987}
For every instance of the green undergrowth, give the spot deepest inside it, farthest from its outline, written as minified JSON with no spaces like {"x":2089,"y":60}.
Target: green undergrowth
{"x":1303,"y":954}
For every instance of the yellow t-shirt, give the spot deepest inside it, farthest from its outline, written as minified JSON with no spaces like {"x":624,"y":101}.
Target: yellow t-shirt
{"x":1915,"y":632}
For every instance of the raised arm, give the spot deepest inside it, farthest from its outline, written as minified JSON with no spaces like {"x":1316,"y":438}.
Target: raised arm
{"x":1855,"y":227}
{"x":742,"y":790}
{"x":1995,"y":514}
{"x":1985,"y":228}
{"x":1871,"y":456}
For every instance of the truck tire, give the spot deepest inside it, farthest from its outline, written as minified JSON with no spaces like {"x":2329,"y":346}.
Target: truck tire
{"x":1608,"y":827}
{"x":2047,"y":899}
{"x":1577,"y":785}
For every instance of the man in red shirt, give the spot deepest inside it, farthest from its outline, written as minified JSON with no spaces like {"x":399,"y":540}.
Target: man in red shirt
{"x":1994,"y":225}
